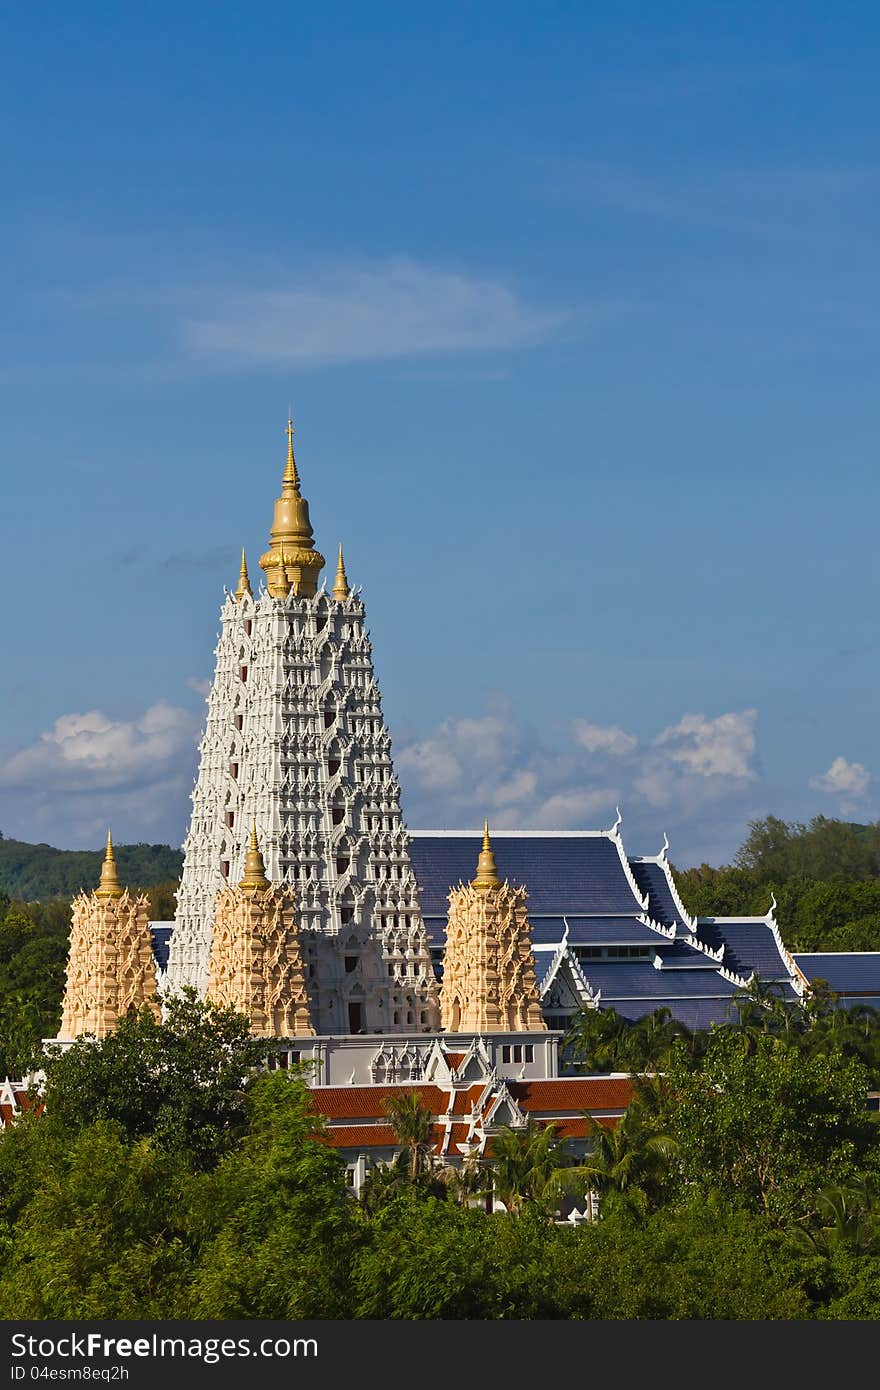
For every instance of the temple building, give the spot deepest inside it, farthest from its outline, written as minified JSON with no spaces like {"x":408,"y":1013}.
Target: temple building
{"x":447,"y":961}
{"x":295,"y":742}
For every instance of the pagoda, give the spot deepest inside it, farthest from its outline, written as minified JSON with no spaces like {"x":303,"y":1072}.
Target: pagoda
{"x":296,"y":745}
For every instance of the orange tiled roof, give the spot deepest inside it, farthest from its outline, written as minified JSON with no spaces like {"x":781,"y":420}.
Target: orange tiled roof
{"x":465,"y":1100}
{"x":368,"y":1102}
{"x":567,"y":1094}
{"x":361,"y":1137}
{"x":372,"y":1137}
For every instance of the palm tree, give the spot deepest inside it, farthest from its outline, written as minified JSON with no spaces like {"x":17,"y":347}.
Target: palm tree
{"x":851,"y":1221}
{"x":630,"y":1156}
{"x":527,"y":1166}
{"x":385,"y":1182}
{"x":595,"y":1037}
{"x":412,"y":1125}
{"x":648,"y":1042}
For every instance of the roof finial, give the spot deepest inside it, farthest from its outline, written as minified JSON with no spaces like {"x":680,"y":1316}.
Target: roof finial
{"x":291,"y":476}
{"x":255,"y":880}
{"x":109,"y":887}
{"x":292,"y":528}
{"x":487,"y":872}
{"x":244,"y":583}
{"x":340,"y":583}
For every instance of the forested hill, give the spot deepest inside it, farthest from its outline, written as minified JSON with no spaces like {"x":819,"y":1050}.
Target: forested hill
{"x":39,"y":872}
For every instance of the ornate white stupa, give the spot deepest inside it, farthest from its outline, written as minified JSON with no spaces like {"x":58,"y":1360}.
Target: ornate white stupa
{"x":295,"y":743}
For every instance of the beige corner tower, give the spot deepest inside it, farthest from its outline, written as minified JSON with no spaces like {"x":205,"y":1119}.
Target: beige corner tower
{"x":256,"y":965}
{"x":110,"y":968}
{"x":489,"y":983}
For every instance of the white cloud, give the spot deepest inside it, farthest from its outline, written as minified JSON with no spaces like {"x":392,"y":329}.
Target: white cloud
{"x":721,"y":747}
{"x":90,"y":770}
{"x":384,"y":309}
{"x":83,"y":751}
{"x":597,"y":738}
{"x":201,"y":687}
{"x":848,"y":780}
{"x":493,"y":765}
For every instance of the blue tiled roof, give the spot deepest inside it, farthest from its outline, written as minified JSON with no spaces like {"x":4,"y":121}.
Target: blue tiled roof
{"x":850,"y":973}
{"x":563,"y":874}
{"x":661,"y":904}
{"x":693,"y":1013}
{"x":625,"y":979}
{"x":750,"y":948}
{"x":161,"y":935}
{"x":582,"y":931}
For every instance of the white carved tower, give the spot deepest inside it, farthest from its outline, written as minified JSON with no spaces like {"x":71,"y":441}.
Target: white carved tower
{"x":295,"y":741}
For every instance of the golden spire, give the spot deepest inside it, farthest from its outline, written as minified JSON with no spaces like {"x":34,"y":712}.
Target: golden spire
{"x":487,"y":873}
{"x":109,"y":887}
{"x":292,"y":532}
{"x":244,"y":583}
{"x":255,"y":880}
{"x":290,"y":481}
{"x":340,"y":583}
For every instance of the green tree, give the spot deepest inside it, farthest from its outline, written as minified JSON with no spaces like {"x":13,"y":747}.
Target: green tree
{"x":182,"y":1081}
{"x":769,"y":1127}
{"x":275,"y":1225}
{"x":527,"y":1164}
{"x":631,"y":1158}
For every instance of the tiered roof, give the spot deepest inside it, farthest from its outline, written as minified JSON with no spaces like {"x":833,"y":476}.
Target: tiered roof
{"x":854,"y":976}
{"x":610,"y":930}
{"x":466,"y":1111}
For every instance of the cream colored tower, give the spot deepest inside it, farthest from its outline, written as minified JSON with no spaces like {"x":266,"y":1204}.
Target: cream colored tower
{"x":110,"y":968}
{"x":256,"y":965}
{"x":489,"y":983}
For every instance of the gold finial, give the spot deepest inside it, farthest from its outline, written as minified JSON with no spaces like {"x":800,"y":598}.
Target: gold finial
{"x":292,"y":530}
{"x":244,"y":583}
{"x":340,"y":583}
{"x":487,"y":873}
{"x":255,"y":880}
{"x":291,"y":477}
{"x":109,"y":887}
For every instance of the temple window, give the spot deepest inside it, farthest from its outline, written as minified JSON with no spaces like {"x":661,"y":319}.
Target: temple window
{"x":243,"y":670}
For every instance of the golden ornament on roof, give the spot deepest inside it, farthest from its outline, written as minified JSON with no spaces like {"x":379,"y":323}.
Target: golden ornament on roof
{"x":109,"y":887}
{"x":487,"y":873}
{"x":291,"y":536}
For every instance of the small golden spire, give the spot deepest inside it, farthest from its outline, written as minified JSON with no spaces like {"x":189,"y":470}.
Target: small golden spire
{"x":487,"y":873}
{"x":290,"y":481}
{"x":255,"y":880}
{"x":244,"y":583}
{"x":340,"y":583}
{"x":109,"y":887}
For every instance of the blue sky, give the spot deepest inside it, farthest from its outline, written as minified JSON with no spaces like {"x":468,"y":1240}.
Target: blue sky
{"x":576,"y":307}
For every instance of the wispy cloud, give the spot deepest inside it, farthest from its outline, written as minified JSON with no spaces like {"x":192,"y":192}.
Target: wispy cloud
{"x":433,"y":318}
{"x":762,"y":200}
{"x":393,"y":308}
